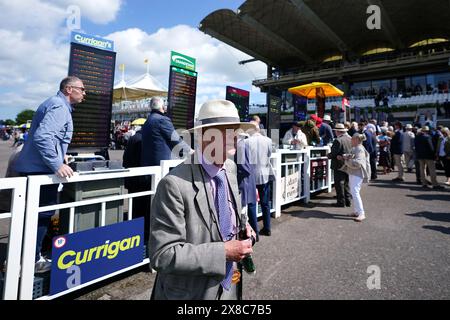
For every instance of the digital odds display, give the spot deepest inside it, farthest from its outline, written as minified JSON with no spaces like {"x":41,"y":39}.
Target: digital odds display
{"x":92,"y":60}
{"x":182,"y":90}
{"x":241,"y":99}
{"x":182,"y":93}
{"x":274,"y":110}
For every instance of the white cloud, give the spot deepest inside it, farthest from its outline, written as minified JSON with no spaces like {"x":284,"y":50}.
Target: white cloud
{"x":97,"y":11}
{"x":35,"y":52}
{"x":217,"y":63}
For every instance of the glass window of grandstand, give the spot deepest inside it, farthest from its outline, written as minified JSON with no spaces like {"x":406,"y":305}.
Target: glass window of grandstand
{"x":382,"y":87}
{"x":361,"y":90}
{"x":438,"y":83}
{"x":443,"y":82}
{"x":419,"y":85}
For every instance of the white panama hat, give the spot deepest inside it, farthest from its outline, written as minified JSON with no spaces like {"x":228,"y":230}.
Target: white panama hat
{"x":327,"y":117}
{"x":340,"y":127}
{"x":220,"y":113}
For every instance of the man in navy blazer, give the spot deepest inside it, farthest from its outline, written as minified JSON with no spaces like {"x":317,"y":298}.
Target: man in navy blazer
{"x":158,"y":136}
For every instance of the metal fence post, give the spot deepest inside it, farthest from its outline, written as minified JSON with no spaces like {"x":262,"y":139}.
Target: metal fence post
{"x":307,"y":175}
{"x":30,"y":234}
{"x":18,"y":185}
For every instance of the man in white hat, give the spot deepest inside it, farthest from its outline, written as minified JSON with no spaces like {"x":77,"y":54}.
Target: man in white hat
{"x":325,"y":131}
{"x":195,"y":216}
{"x":341,"y":145}
{"x":408,"y":147}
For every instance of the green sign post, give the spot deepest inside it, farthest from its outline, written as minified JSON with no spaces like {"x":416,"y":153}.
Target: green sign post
{"x":181,"y":61}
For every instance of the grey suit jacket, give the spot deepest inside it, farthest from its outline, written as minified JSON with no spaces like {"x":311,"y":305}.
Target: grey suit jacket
{"x":185,"y":244}
{"x":260,"y":153}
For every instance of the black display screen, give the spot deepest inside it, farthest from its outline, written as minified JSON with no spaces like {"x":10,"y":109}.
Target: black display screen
{"x":92,"y":118}
{"x":182,"y":93}
{"x":241,"y":99}
{"x":274,"y":111}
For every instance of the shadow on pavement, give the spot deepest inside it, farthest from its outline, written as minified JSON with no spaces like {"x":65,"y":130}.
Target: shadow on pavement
{"x":441,"y":229}
{"x":404,"y":185}
{"x":439,"y":197}
{"x":434,"y":216}
{"x":318,"y":215}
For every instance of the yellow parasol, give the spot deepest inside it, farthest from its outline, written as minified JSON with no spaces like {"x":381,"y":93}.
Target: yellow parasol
{"x":310,"y":90}
{"x":138,"y":122}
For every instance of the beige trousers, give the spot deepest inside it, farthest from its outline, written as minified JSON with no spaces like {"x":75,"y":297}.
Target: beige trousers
{"x":399,"y":163}
{"x":432,"y":167}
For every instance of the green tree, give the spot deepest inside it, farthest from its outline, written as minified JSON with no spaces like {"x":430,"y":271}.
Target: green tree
{"x":24,"y":116}
{"x":9,"y":122}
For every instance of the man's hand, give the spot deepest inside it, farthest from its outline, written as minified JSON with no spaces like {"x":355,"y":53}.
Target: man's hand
{"x":295,"y":141}
{"x":236,"y":250}
{"x":250,"y":231}
{"x":64,"y":171}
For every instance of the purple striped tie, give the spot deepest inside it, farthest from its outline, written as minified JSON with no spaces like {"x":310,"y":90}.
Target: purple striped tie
{"x":221,"y":202}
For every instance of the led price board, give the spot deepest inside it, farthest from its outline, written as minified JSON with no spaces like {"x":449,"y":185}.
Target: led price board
{"x":92,"y":118}
{"x":274,"y":110}
{"x":241,"y":100}
{"x":182,"y":93}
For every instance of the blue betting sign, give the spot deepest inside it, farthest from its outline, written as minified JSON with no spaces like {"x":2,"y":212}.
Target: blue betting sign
{"x":84,"y":256}
{"x":91,"y":41}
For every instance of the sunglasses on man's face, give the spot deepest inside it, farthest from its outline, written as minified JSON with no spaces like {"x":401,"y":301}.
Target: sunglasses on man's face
{"x":81,"y":88}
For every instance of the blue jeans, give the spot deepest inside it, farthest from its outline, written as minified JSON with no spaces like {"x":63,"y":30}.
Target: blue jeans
{"x":48,"y":196}
{"x":252,"y":218}
{"x":263,"y":191}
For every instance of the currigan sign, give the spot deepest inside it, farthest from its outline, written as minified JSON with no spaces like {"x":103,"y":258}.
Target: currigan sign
{"x":84,"y":256}
{"x":91,"y":41}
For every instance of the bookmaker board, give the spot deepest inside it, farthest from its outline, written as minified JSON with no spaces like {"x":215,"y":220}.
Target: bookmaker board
{"x":241,"y":99}
{"x":93,"y":60}
{"x":182,"y":91}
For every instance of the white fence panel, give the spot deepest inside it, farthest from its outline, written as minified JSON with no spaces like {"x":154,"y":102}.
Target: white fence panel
{"x":33,"y":209}
{"x":16,"y":216}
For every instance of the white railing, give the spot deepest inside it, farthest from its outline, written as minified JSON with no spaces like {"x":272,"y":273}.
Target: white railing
{"x":326,"y":183}
{"x":293,"y":163}
{"x":33,"y":209}
{"x":16,"y":216}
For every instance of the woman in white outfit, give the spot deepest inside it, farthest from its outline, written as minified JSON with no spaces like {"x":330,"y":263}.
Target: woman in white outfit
{"x":357,"y":166}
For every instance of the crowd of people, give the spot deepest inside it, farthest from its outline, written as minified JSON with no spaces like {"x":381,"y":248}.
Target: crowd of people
{"x":405,"y":148}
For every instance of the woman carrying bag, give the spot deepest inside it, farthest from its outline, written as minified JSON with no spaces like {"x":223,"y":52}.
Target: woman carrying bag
{"x":357,"y":166}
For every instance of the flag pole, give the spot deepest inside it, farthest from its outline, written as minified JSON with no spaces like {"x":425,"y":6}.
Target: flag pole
{"x":148,"y":66}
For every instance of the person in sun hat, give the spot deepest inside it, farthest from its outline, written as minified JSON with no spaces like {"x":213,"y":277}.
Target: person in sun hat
{"x":325,"y":131}
{"x":341,"y":145}
{"x":195,"y":215}
{"x":295,"y":137}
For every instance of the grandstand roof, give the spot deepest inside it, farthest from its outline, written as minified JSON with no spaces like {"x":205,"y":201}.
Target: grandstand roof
{"x":290,"y":33}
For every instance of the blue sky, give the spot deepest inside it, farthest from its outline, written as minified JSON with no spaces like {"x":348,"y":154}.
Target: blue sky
{"x":154,"y":14}
{"x":35,"y":46}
